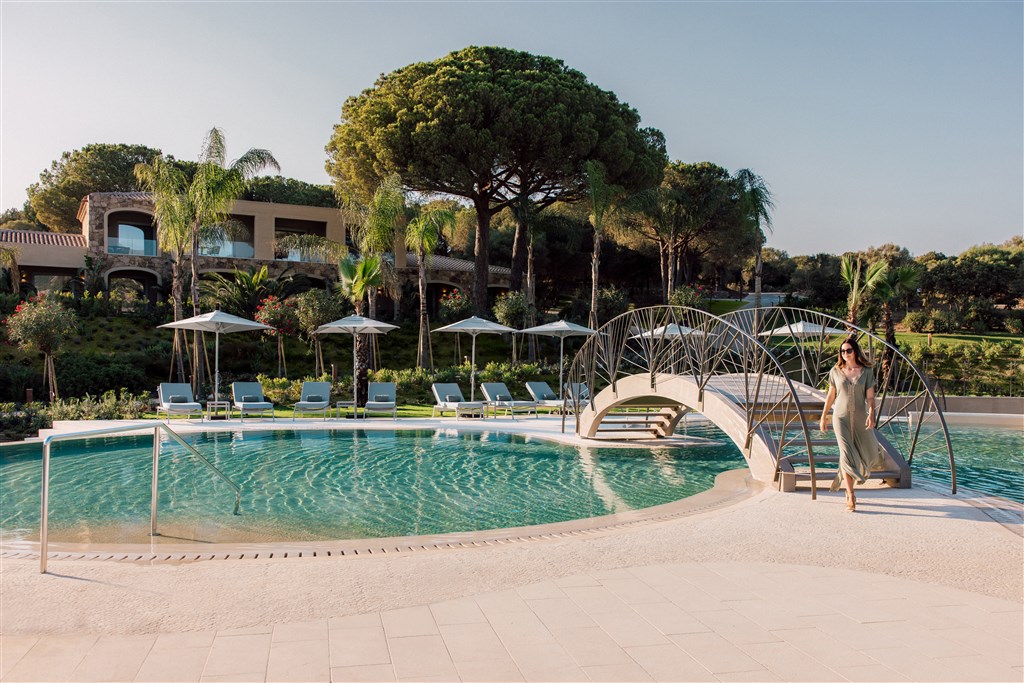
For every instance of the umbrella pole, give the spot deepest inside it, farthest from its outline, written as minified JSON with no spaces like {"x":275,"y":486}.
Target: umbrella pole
{"x":216,"y":367}
{"x":355,"y":379}
{"x":472,"y":374}
{"x":561,"y":358}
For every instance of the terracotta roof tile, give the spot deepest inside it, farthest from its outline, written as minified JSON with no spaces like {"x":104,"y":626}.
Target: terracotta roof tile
{"x":449,"y":263}
{"x":51,"y":239}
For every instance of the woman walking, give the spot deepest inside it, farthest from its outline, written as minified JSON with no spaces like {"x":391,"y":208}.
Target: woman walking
{"x":851,"y":387}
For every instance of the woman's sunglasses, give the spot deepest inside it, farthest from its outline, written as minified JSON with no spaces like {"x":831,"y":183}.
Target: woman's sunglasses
{"x":845,"y":351}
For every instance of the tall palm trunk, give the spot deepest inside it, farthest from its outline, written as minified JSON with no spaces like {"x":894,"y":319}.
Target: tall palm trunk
{"x":421,"y":350}
{"x":595,"y":262}
{"x":890,"y":339}
{"x":177,"y":298}
{"x":197,"y":337}
{"x":362,"y":377}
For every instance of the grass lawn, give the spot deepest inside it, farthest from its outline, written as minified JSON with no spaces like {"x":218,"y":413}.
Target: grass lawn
{"x":722,"y":306}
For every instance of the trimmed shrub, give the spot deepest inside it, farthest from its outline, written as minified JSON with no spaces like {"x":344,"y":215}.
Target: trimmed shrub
{"x":110,"y":406}
{"x":21,"y":420}
{"x":916,"y":321}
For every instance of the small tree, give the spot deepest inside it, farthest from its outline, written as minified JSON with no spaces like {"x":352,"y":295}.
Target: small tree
{"x":279,"y":314}
{"x":314,"y":308}
{"x":43,"y":324}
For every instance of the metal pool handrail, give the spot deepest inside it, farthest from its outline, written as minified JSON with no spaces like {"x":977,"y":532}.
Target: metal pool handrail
{"x":45,"y":497}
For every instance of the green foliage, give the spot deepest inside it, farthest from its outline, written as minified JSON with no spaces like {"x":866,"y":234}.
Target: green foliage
{"x":281,"y":190}
{"x":42,"y":324}
{"x":1014,"y":323}
{"x":110,"y":406}
{"x":916,"y":321}
{"x":357,"y":276}
{"x":93,"y":168}
{"x":242,"y":293}
{"x":96,"y":373}
{"x":21,"y":420}
{"x":279,"y":314}
{"x":696,"y":296}
{"x":316,"y":307}
{"x":944,"y":321}
{"x":284,"y":391}
{"x":454,"y":305}
{"x":510,"y":309}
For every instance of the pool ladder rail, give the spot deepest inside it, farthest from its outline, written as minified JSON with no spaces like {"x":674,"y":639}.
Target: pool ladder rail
{"x":45,"y":497}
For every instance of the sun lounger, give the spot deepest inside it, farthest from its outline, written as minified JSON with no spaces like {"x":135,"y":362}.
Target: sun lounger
{"x":450,"y":399}
{"x":500,"y":398}
{"x":380,"y":398}
{"x":176,"y":399}
{"x":315,"y":398}
{"x":576,"y":389}
{"x":543,"y":395}
{"x":248,"y":398}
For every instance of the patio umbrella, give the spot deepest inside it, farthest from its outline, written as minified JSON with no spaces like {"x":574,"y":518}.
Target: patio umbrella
{"x":672,"y":330}
{"x":474,"y":326}
{"x":355,"y":325}
{"x":217,"y":322}
{"x":801,"y":329}
{"x":560,"y":329}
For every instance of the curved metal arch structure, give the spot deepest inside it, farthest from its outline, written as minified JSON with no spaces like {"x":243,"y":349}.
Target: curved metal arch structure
{"x":644,"y":369}
{"x":909,"y":413}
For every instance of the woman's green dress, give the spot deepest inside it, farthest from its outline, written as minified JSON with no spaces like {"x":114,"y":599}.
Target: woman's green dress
{"x":858,"y":448}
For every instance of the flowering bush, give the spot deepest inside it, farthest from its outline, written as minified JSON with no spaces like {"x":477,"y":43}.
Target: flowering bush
{"x":454,"y":305}
{"x":510,"y":309}
{"x":279,"y":314}
{"x":42,"y":324}
{"x":697,"y":296}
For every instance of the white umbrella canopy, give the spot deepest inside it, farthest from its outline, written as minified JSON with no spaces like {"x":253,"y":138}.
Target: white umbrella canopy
{"x":355,"y":325}
{"x":802,"y":329}
{"x":219,"y":323}
{"x":474,"y":326}
{"x":672,"y":330}
{"x":560,"y":329}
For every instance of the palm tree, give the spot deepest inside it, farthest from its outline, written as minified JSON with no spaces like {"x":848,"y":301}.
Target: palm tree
{"x":860,"y":283}
{"x":380,"y":228}
{"x":202,"y":207}
{"x":422,"y":235}
{"x":241,"y":293}
{"x":758,"y":204}
{"x":9,"y":260}
{"x":602,"y":196}
{"x":357,"y":278}
{"x":894,"y":287}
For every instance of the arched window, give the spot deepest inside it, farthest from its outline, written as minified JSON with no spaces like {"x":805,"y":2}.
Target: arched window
{"x":131,"y":233}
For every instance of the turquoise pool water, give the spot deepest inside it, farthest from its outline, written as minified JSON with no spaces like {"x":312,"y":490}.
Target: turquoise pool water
{"x":989,"y":459}
{"x":315,"y":485}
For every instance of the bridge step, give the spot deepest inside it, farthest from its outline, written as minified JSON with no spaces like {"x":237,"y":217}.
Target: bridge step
{"x":820,"y":473}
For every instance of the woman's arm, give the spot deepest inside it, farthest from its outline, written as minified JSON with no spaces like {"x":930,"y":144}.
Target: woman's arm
{"x":829,"y":400}
{"x":869,"y":396}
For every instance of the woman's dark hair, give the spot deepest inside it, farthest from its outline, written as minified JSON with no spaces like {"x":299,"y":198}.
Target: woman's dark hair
{"x":857,"y":353}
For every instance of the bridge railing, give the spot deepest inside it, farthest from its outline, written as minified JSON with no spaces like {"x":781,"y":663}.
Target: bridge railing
{"x":807,"y":344}
{"x":666,"y":341}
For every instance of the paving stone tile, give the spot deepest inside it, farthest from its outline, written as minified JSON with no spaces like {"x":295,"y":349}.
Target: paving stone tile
{"x":493,"y":671}
{"x":114,"y":658}
{"x":715,"y":653}
{"x":178,"y":641}
{"x":51,"y":658}
{"x":246,"y":631}
{"x":540,"y":591}
{"x":250,"y":677}
{"x":300,"y":660}
{"x":238,"y":654}
{"x":980,"y":668}
{"x":632,"y":590}
{"x":410,"y":621}
{"x":305,"y":630}
{"x":596,"y":599}
{"x":463,"y":611}
{"x":873,"y":673}
{"x":617,"y":672}
{"x":370,"y":620}
{"x":560,"y":613}
{"x":183,"y":664}
{"x":629,"y":630}
{"x":669,"y":663}
{"x":789,"y":663}
{"x":914,"y":666}
{"x":520,"y":627}
{"x":605,"y":574}
{"x":363,"y":674}
{"x":655,"y":575}
{"x":669,"y":618}
{"x":691,"y":598}
{"x":829,"y":651}
{"x":473,"y":643}
{"x":12,"y":649}
{"x":590,"y":646}
{"x":922,"y":640}
{"x":544,"y":661}
{"x":844,"y":629}
{"x":785,"y":612}
{"x":421,"y":657}
{"x":997,"y":649}
{"x":358,"y":647}
{"x":734,"y":627}
{"x":762,"y":676}
{"x":578,"y":580}
{"x":501,"y":602}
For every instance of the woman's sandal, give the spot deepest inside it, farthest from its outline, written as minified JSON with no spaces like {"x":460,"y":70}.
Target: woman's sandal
{"x":851,"y":502}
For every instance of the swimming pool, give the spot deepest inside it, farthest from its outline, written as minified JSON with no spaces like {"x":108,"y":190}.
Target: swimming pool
{"x":308,"y":485}
{"x":988,"y":459}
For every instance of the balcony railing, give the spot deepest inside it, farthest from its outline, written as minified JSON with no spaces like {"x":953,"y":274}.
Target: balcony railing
{"x":131,"y":247}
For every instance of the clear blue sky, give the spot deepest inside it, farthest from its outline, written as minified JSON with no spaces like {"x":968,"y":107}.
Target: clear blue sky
{"x":872,"y":122}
